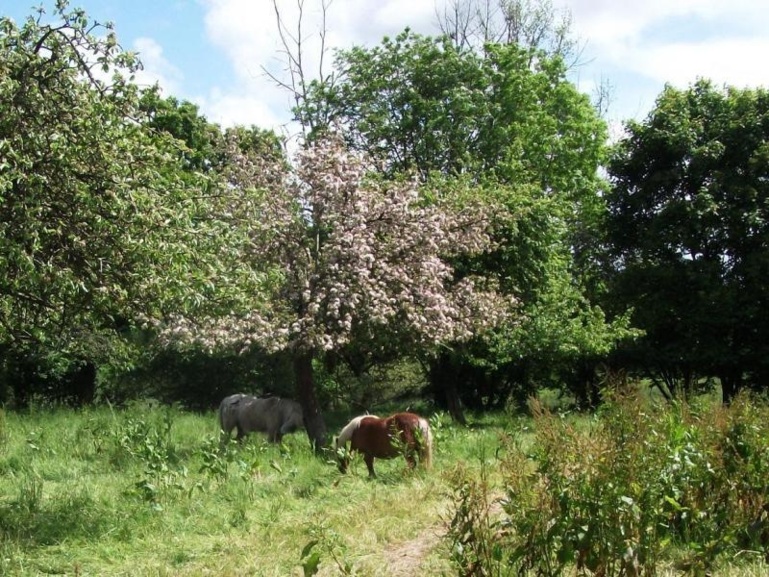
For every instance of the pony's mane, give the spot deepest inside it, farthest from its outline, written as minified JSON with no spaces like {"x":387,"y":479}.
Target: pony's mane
{"x":346,"y":433}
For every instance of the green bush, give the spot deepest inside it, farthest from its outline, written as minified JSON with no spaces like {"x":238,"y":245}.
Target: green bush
{"x":641,"y":485}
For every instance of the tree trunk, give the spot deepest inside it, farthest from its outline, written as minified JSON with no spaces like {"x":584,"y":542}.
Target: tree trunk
{"x":586,"y":390}
{"x":453,"y":402}
{"x":731,"y":383}
{"x":305,"y":389}
{"x":82,"y":381}
{"x":443,"y":377}
{"x":21,"y":373}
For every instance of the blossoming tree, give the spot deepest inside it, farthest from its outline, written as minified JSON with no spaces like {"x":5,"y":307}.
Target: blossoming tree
{"x":352,"y":258}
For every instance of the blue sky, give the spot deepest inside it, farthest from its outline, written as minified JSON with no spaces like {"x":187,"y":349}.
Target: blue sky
{"x":213,"y":52}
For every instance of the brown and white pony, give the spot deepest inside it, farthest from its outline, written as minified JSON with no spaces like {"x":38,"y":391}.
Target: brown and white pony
{"x":404,"y":434}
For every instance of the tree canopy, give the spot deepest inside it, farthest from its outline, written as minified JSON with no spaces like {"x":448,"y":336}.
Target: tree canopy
{"x":688,"y":233}
{"x":354,"y":257}
{"x":507,"y":123}
{"x":421,"y":104}
{"x":101,"y":221}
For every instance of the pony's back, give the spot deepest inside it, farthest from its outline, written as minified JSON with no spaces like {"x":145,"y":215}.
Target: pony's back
{"x":347,"y":432}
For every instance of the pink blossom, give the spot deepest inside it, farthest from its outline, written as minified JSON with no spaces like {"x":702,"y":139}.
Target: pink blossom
{"x":350,"y":252}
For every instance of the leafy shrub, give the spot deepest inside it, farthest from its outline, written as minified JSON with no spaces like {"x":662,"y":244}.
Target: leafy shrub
{"x":146,"y":441}
{"x":476,"y":537}
{"x":324,"y":543}
{"x":149,"y":443}
{"x":642,"y":483}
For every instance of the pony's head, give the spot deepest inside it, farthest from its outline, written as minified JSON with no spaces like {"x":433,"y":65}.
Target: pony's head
{"x":340,"y":442}
{"x":342,"y":455}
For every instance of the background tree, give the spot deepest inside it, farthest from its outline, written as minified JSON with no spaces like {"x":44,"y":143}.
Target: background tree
{"x":203,"y":140}
{"x":198,"y":378}
{"x":529,"y":24}
{"x":355,"y":257}
{"x":101,"y":220}
{"x":535,"y":25}
{"x":689,"y":236}
{"x":300,"y":71}
{"x":508,"y":123}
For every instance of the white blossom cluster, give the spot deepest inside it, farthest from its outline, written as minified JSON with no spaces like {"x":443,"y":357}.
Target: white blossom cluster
{"x":352,"y":256}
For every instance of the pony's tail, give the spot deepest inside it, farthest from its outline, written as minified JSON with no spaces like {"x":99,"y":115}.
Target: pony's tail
{"x":426,"y":445}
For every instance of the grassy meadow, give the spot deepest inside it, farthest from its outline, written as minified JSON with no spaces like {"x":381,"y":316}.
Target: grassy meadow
{"x":146,"y":490}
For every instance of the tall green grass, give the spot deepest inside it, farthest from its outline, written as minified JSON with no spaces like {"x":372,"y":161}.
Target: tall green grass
{"x":148,"y":491}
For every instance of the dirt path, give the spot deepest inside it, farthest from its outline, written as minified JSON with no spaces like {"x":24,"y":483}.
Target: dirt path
{"x":405,"y":559}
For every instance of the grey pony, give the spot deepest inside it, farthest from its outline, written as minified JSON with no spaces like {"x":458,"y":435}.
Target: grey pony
{"x":271,"y":415}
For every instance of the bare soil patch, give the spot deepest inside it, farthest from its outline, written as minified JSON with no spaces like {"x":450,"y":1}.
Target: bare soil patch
{"x":405,"y":559}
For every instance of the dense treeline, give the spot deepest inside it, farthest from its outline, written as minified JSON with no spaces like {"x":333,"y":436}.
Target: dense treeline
{"x":456,"y":221}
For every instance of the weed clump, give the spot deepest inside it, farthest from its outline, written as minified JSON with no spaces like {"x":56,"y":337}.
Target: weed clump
{"x":639,"y":487}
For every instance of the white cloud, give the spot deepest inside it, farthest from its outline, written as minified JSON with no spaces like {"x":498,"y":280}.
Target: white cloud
{"x":632,"y":38}
{"x":617,"y":23}
{"x":243,"y":31}
{"x":395,"y":15}
{"x":726,"y":61}
{"x":638,"y":46}
{"x":246,"y":32}
{"x":247,"y":109}
{"x":620,"y":30}
{"x":156,"y":67}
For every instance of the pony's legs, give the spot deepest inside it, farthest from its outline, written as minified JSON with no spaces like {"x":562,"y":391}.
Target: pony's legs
{"x":370,"y":464}
{"x":275,"y":437}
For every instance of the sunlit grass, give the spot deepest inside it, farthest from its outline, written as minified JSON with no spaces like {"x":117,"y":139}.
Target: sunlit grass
{"x":146,"y":491}
{"x":133,"y":492}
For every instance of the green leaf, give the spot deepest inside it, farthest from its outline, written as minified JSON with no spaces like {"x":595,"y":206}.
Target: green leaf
{"x":308,"y":547}
{"x":311,"y":564}
{"x":673,"y":503}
